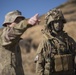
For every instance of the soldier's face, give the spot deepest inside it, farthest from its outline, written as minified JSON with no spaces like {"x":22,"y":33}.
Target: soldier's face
{"x":18,"y":19}
{"x":15,"y":22}
{"x":58,"y":25}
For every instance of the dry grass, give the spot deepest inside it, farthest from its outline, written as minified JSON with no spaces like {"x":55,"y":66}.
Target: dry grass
{"x":33,"y":36}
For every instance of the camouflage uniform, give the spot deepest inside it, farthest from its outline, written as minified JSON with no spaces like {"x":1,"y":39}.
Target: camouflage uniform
{"x":56,"y":52}
{"x":10,"y":54}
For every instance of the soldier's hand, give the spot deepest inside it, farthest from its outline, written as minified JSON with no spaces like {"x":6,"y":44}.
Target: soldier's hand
{"x":34,"y":20}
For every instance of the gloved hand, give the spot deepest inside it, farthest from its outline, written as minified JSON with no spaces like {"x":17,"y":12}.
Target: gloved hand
{"x":34,"y":20}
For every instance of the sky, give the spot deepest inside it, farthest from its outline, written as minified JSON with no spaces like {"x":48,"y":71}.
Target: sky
{"x":27,"y":7}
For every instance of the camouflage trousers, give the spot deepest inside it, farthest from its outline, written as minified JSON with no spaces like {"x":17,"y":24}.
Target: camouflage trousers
{"x":8,"y":70}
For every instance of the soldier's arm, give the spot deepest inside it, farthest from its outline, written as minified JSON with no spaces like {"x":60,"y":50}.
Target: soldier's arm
{"x":40,"y":60}
{"x":72,"y":46}
{"x":40,"y":65}
{"x":10,"y":34}
{"x":13,"y":33}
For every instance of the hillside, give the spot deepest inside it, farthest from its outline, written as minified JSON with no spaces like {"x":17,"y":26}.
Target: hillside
{"x":33,"y":36}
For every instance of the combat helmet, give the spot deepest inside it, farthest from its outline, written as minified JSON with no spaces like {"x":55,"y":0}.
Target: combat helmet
{"x":11,"y":17}
{"x":55,"y":14}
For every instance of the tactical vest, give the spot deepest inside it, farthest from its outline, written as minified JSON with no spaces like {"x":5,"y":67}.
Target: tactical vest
{"x":60,"y":55}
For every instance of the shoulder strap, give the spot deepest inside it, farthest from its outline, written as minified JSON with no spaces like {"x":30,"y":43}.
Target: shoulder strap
{"x":54,"y":41}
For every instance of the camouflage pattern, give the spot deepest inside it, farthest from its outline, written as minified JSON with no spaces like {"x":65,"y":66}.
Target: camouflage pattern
{"x":56,"y":53}
{"x":11,"y":16}
{"x":10,"y":54}
{"x":48,"y":48}
{"x":55,"y":14}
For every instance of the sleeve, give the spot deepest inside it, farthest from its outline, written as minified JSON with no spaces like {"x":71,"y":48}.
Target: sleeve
{"x":40,"y":60}
{"x":72,"y":46}
{"x":10,"y":34}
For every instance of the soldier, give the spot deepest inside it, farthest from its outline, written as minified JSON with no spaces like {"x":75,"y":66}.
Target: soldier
{"x":10,"y":55}
{"x":56,"y":52}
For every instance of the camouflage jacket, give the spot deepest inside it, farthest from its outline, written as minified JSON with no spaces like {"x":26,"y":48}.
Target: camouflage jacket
{"x":10,"y":54}
{"x":49,"y":47}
